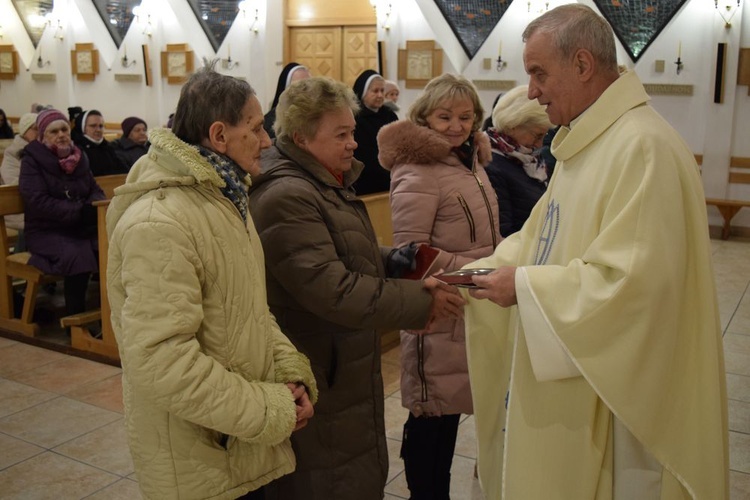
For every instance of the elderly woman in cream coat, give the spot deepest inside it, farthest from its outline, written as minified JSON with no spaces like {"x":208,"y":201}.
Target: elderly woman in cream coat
{"x":440,"y":196}
{"x":212,"y":388}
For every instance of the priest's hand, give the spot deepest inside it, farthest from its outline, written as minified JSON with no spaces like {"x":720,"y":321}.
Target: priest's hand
{"x":499,"y":286}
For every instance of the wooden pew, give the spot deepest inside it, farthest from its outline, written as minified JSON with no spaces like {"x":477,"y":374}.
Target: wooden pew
{"x":16,"y":266}
{"x":379,"y":208}
{"x":727,"y":209}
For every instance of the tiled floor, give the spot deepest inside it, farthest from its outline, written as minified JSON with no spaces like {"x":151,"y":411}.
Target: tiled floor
{"x":62,"y":433}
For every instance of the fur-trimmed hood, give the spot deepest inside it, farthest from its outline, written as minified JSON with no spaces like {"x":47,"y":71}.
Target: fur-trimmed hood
{"x":404,"y":142}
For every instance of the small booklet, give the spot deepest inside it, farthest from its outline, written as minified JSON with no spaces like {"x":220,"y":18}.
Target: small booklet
{"x":462,"y":277}
{"x":425,"y":258}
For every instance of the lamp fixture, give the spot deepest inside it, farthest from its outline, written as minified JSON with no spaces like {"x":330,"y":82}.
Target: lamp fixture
{"x":500,"y":63}
{"x":40,"y":63}
{"x":679,"y":62}
{"x":730,"y":10}
{"x":53,"y":20}
{"x":139,"y":12}
{"x":228,"y":63}
{"x":244,"y":6}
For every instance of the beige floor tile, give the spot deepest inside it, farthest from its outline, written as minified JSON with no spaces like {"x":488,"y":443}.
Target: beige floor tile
{"x":67,"y":374}
{"x":6,"y":342}
{"x":397,"y":487}
{"x":105,"y":448}
{"x":740,"y":322}
{"x":54,"y":477}
{"x":392,"y":356}
{"x":23,"y":357}
{"x":391,"y":378}
{"x":738,"y":387}
{"x":393,"y":497}
{"x":395,"y":417}
{"x":124,"y":489}
{"x":56,"y":421}
{"x":106,"y":393}
{"x":16,"y":397}
{"x":739,"y":452}
{"x":395,"y":464}
{"x":466,"y":441}
{"x":13,"y":451}
{"x":739,"y":486}
{"x":737,"y":343}
{"x":737,"y":362}
{"x":739,"y":416}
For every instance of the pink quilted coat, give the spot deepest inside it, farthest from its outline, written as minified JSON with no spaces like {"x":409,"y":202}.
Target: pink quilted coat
{"x":437,"y":200}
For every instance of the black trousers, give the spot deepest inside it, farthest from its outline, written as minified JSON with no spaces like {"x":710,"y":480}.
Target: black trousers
{"x":74,"y":289}
{"x":253,"y":495}
{"x":427,"y":450}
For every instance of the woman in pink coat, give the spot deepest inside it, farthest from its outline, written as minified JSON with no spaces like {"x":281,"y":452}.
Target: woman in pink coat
{"x":440,"y":196}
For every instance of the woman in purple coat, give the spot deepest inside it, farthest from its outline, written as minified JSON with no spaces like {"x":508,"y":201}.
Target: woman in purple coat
{"x":57,"y":188}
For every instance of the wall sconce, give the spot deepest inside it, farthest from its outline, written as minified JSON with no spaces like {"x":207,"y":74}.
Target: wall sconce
{"x":126,"y":63}
{"x":40,"y":63}
{"x":535,"y":6}
{"x":500,"y":63}
{"x":59,"y":31}
{"x":244,"y":6}
{"x":386,"y":25}
{"x":678,"y":62}
{"x":139,"y":13}
{"x":730,"y":10}
{"x":228,"y":63}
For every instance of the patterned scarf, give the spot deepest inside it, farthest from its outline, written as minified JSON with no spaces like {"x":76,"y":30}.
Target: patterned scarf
{"x":235,"y":178}
{"x":506,"y":146}
{"x":68,"y":157}
{"x":465,"y":152}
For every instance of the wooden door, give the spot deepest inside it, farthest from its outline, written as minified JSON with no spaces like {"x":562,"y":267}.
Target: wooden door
{"x":318,"y":48}
{"x":340,"y":52}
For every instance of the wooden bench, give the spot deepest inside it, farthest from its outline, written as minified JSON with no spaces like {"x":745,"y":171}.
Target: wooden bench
{"x":728,"y":209}
{"x":379,"y":209}
{"x":16,"y":266}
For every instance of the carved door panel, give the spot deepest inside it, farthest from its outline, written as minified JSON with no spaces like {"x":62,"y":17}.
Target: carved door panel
{"x":360,"y":51}
{"x":341,"y":52}
{"x":317,"y":48}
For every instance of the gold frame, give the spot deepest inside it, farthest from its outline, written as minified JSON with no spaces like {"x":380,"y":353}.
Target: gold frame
{"x":177,"y":49}
{"x":419,"y":62}
{"x":85,"y":50}
{"x":8,"y":54}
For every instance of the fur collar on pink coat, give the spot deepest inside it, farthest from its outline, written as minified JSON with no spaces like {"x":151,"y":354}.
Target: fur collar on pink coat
{"x":406,"y":142}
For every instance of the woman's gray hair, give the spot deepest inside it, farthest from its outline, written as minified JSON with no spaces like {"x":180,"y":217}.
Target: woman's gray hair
{"x":445,"y":87}
{"x":515,"y":109}
{"x":303,"y":104}
{"x":209,"y":97}
{"x":575,"y":26}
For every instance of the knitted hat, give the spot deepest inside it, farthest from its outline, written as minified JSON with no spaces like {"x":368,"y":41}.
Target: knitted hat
{"x":390,"y":86}
{"x":26,"y":122}
{"x":128,"y":124}
{"x":46,"y":117}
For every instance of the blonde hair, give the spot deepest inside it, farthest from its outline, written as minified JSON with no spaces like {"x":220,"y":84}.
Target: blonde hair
{"x":303,"y":104}
{"x":515,"y":109}
{"x":442,"y":88}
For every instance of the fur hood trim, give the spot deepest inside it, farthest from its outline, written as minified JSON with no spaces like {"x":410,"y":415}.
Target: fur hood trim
{"x":404,"y":142}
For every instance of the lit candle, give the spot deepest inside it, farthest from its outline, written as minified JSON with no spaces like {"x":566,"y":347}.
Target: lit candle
{"x":500,"y":48}
{"x":679,"y":49}
{"x":125,"y":51}
{"x":229,"y":51}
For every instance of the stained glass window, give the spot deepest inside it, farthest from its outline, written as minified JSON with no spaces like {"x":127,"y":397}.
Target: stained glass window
{"x":117,"y":16}
{"x":32,"y":14}
{"x":215,"y":17}
{"x":637,"y":23}
{"x":472,"y":21}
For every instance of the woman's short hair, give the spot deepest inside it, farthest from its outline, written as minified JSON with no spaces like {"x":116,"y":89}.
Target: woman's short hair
{"x":303,"y":104}
{"x":515,"y":109}
{"x":209,"y":97}
{"x":445,"y":87}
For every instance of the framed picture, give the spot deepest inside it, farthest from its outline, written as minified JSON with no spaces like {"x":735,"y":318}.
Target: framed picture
{"x":84,"y":62}
{"x":177,"y":63}
{"x":419,"y":63}
{"x":8,"y":62}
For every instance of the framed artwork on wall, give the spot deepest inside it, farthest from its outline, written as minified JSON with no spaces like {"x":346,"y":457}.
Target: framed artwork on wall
{"x":8,"y":62}
{"x":419,"y":62}
{"x":84,"y":62}
{"x":177,"y":63}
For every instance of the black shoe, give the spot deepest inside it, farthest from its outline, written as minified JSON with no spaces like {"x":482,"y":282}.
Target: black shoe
{"x":95,"y":330}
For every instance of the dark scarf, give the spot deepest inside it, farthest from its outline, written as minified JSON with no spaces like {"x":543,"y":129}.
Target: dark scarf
{"x":506,"y":146}
{"x":67,"y":158}
{"x":465,"y":152}
{"x":233,"y":176}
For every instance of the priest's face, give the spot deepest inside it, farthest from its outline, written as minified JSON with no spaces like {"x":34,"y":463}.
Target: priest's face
{"x":553,"y":81}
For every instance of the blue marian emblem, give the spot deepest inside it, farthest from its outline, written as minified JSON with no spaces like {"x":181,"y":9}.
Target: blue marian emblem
{"x":549,"y":232}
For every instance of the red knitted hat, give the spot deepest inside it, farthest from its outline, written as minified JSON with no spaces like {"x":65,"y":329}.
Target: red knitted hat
{"x":46,"y":117}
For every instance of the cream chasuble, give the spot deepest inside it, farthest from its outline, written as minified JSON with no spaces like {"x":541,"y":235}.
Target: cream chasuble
{"x":615,"y":346}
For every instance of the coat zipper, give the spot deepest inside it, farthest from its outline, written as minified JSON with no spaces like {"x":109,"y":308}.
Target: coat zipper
{"x":420,"y":366}
{"x":489,"y":209}
{"x":469,"y":217}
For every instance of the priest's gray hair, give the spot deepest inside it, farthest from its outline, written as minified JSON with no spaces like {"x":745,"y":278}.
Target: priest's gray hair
{"x":209,"y":97}
{"x":576,"y":26}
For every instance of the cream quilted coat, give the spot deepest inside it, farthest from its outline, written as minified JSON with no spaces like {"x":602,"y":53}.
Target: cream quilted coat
{"x":204,"y":362}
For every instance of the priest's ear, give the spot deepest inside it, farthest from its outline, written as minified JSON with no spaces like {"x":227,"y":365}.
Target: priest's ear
{"x":584,"y":63}
{"x":217,"y":137}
